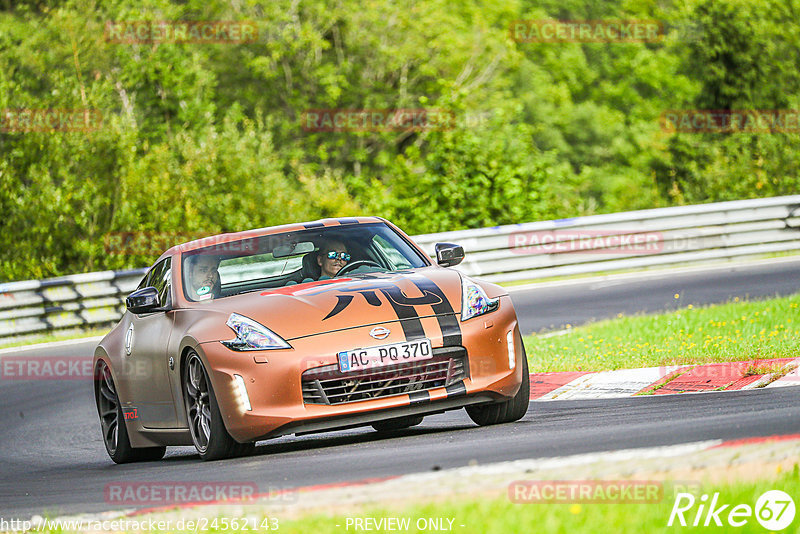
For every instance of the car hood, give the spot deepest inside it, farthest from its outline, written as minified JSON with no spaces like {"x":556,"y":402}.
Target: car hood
{"x":317,"y":307}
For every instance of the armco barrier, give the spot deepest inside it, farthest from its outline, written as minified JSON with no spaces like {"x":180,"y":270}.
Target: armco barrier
{"x":69,"y":302}
{"x":629,"y":240}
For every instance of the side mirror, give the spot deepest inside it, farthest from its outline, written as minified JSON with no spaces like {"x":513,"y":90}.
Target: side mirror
{"x":449,"y":254}
{"x":143,"y":300}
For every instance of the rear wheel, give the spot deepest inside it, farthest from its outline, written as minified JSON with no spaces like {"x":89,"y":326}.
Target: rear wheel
{"x":398,"y":423}
{"x":112,"y":423}
{"x":209,"y":435}
{"x":506,"y":411}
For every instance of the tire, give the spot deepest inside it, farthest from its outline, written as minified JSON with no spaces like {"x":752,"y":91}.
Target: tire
{"x":398,"y":423}
{"x":209,"y":436}
{"x":112,"y":423}
{"x":507,"y":411}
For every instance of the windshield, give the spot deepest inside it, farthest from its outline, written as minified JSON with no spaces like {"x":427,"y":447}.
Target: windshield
{"x":290,"y":258}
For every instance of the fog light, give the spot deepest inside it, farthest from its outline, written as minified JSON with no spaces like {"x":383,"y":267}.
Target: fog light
{"x":512,"y":358}
{"x":241,"y":392}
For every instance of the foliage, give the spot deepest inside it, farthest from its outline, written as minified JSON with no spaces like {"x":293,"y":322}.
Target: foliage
{"x":200,"y":138}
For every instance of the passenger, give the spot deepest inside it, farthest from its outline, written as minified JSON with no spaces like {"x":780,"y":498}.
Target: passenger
{"x":204,"y":282}
{"x":331,"y":258}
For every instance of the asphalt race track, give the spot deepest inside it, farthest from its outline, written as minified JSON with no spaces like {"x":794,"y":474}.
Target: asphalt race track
{"x":53,"y":460}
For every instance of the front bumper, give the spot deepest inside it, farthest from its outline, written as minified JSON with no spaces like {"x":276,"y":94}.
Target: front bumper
{"x":272,"y":379}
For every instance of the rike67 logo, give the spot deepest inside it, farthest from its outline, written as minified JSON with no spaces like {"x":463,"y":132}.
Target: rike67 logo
{"x":774,"y":510}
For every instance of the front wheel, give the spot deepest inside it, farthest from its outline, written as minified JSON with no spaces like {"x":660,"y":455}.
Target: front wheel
{"x":209,"y":435}
{"x":112,"y":422}
{"x":506,"y":411}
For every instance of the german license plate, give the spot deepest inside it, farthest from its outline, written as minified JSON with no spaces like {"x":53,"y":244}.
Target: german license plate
{"x":385,"y":355}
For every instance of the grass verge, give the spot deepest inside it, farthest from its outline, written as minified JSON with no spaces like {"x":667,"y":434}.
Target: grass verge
{"x":734,"y":331}
{"x":501,"y":516}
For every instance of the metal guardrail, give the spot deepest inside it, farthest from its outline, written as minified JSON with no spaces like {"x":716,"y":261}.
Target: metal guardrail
{"x":70,"y":302}
{"x":597,"y":243}
{"x":628,"y":240}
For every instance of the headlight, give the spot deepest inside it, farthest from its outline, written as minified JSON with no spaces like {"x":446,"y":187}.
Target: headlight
{"x":474,"y":301}
{"x":251,"y":335}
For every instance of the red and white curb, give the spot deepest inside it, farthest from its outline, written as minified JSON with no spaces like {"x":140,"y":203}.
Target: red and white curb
{"x":664,"y":380}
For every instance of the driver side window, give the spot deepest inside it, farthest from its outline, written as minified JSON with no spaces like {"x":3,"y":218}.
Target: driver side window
{"x":160,"y":277}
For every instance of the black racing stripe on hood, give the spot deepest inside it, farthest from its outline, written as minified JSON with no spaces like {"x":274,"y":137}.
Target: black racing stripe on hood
{"x":448,"y":322}
{"x":311,"y":226}
{"x":409,"y":320}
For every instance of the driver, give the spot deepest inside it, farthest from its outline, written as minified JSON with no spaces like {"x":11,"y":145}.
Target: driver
{"x":332,"y":257}
{"x":204,"y":283}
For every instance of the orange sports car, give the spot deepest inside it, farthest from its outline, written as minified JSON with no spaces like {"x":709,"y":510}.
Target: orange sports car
{"x":300,"y":328}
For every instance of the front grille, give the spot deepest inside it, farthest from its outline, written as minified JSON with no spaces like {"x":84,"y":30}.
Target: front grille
{"x":327,"y":385}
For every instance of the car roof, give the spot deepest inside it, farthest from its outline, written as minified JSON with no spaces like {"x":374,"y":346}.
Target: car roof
{"x":258,"y":232}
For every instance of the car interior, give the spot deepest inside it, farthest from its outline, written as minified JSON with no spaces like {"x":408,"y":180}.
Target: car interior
{"x":359,"y":247}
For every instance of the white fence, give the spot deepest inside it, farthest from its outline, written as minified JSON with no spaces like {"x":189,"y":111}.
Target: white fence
{"x":597,"y":243}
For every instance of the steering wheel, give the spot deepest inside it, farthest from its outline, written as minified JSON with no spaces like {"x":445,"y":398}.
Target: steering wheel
{"x":356,"y":264}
